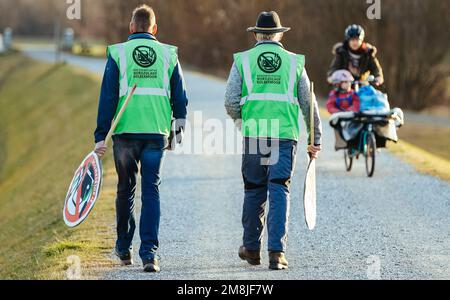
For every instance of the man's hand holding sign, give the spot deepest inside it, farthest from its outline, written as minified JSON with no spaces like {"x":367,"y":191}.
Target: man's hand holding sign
{"x":86,"y":184}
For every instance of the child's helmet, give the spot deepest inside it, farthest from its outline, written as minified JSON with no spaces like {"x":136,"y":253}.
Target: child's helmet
{"x":341,"y":76}
{"x":355,"y":31}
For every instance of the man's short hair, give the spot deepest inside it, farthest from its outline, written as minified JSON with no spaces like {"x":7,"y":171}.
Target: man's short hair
{"x":143,"y":17}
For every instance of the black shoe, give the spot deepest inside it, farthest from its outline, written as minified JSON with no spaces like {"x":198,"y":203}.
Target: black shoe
{"x":125,"y":258}
{"x":252,"y":257}
{"x":151,"y":265}
{"x":277,"y":261}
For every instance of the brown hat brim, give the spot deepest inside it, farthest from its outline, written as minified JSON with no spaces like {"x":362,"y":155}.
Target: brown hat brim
{"x":268,"y":30}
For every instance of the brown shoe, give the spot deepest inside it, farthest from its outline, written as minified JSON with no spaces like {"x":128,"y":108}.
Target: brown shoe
{"x":252,"y":257}
{"x":151,"y":265}
{"x":277,"y":261}
{"x":125,"y":258}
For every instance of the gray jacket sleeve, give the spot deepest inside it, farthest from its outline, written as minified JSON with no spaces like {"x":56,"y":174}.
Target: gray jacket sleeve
{"x":233,"y":94}
{"x":304,"y":98}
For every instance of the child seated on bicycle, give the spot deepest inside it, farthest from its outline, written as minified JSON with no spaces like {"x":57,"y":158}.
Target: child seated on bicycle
{"x":342,"y":98}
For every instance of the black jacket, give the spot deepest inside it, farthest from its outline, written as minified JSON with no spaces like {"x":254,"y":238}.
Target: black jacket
{"x":368,"y":63}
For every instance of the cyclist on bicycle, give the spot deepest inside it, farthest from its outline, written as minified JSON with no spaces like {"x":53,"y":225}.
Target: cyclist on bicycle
{"x":356,"y":56}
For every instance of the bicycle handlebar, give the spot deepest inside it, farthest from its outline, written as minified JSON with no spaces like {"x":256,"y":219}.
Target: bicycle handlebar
{"x":361,"y":115}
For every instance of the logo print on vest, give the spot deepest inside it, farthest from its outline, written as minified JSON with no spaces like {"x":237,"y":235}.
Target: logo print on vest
{"x":269,"y":62}
{"x":144,"y":56}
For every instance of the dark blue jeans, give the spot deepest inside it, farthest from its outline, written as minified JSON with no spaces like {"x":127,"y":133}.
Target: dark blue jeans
{"x":128,"y":153}
{"x":267,"y":168}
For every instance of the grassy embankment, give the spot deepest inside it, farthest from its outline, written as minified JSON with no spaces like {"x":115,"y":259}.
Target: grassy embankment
{"x":431,"y":157}
{"x":428,"y":146}
{"x":47,"y":117}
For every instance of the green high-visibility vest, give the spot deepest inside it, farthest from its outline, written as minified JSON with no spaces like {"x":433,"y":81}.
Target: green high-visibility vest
{"x":269,"y":104}
{"x":149,"y":64}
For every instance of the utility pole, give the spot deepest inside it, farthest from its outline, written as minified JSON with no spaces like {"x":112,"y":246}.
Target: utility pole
{"x":83,"y":16}
{"x":57,"y":32}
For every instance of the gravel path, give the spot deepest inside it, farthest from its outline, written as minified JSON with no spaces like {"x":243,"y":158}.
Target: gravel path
{"x":393,"y":226}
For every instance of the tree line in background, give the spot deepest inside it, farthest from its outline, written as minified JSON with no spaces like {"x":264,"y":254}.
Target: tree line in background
{"x":411,"y":36}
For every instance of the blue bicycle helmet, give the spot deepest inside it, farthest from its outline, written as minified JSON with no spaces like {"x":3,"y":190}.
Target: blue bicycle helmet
{"x":354,"y":31}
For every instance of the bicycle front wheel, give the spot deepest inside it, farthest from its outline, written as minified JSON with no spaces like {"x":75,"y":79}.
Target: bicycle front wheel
{"x":369,"y":153}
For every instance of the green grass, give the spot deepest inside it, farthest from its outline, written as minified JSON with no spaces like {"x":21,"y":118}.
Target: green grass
{"x":22,"y":43}
{"x":424,"y":161}
{"x":57,"y":248}
{"x":433,"y":139}
{"x":47,"y":117}
{"x":89,"y":49}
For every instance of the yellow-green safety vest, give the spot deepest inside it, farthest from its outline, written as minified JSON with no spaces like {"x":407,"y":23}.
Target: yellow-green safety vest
{"x":149,"y":64}
{"x":269,"y":104}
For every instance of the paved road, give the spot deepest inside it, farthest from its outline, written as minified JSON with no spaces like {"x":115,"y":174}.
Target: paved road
{"x":393,"y":226}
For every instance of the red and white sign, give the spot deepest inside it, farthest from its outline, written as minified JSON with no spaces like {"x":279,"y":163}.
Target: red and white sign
{"x":83,"y":191}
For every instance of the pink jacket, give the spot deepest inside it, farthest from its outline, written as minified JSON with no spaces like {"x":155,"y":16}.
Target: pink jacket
{"x":342,"y":101}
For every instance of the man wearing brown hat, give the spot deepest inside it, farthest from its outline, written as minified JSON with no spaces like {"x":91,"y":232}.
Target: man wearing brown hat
{"x":267,"y":88}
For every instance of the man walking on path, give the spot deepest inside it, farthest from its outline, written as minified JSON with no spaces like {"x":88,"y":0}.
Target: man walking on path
{"x":144,"y":131}
{"x":266,"y":89}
